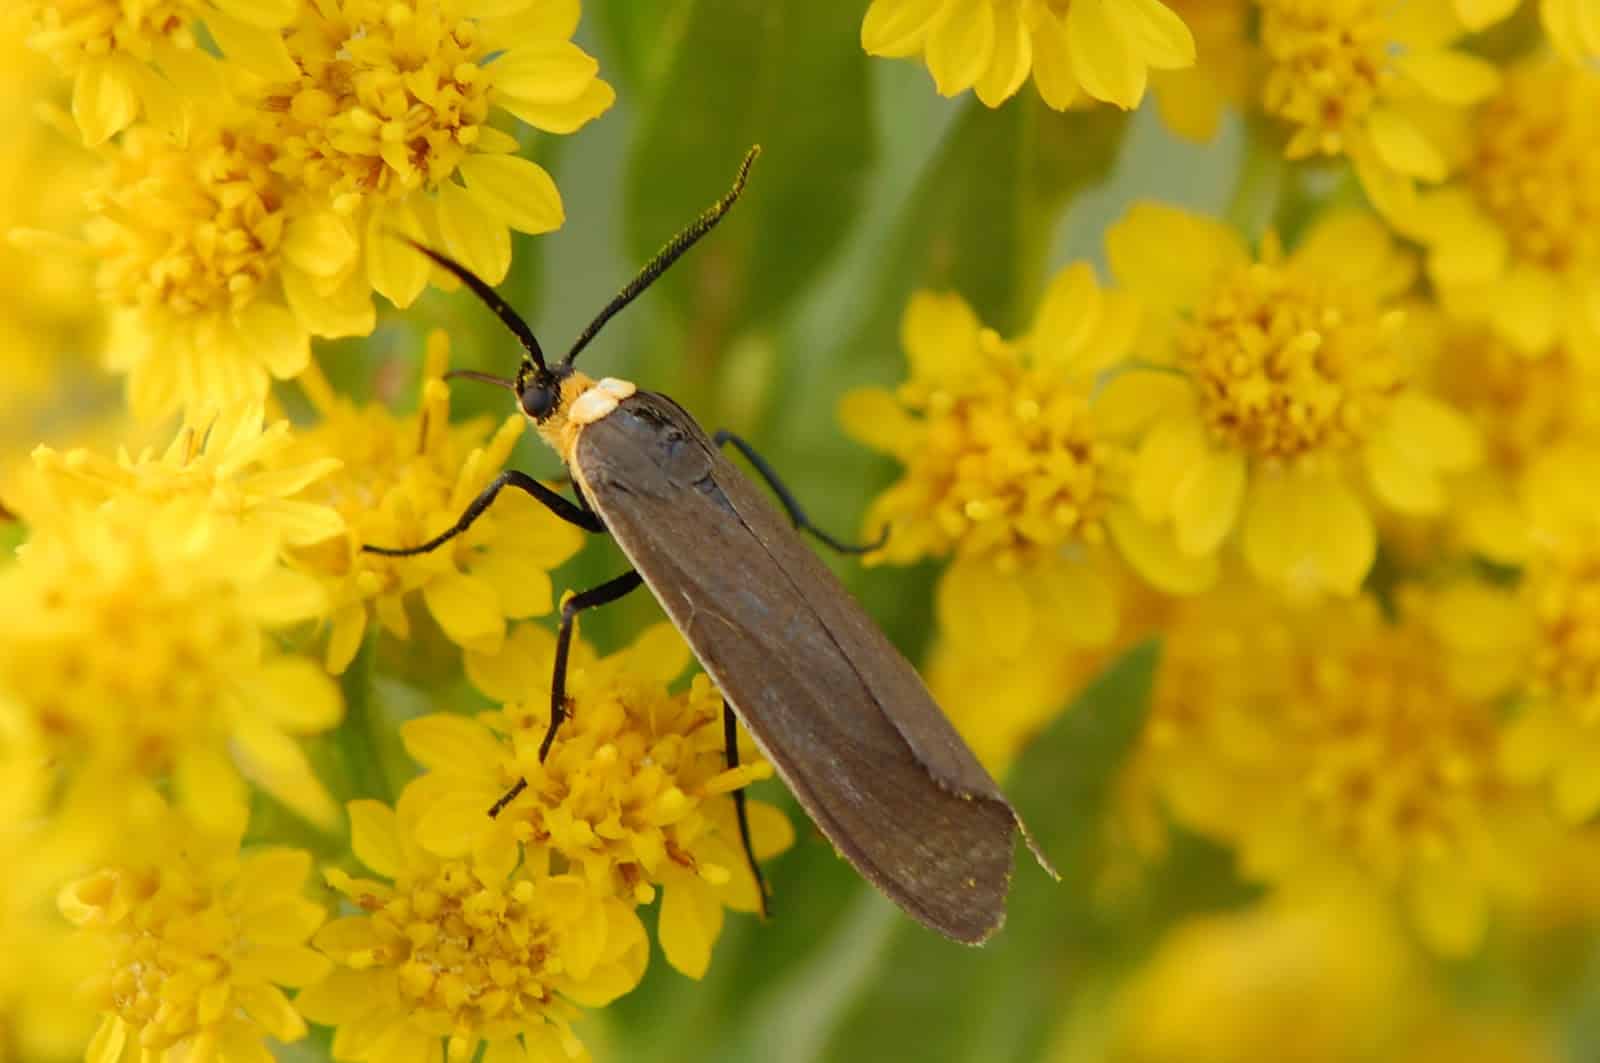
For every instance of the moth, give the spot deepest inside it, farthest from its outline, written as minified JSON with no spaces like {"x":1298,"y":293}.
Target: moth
{"x":840,"y":713}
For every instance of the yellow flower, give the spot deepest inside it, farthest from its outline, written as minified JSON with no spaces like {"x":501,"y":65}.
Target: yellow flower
{"x":1571,"y":26}
{"x":1226,"y":71}
{"x":133,"y":56}
{"x":1374,"y":81}
{"x":385,"y":119}
{"x":1008,"y":469}
{"x":1524,"y":407}
{"x":632,"y":795}
{"x":227,"y":467}
{"x":45,"y":323}
{"x":215,"y":280}
{"x":1556,"y":736}
{"x":1327,"y":974}
{"x":136,"y":639}
{"x":1102,"y":49}
{"x":1273,"y":385}
{"x":198,"y":940}
{"x":1478,"y":15}
{"x":1332,"y":743}
{"x":39,"y":1020}
{"x":1515,"y":241}
{"x":401,"y":481}
{"x":468,"y":951}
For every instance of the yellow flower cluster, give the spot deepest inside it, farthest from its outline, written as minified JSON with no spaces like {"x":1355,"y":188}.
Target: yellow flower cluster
{"x":247,"y":204}
{"x":1345,"y":471}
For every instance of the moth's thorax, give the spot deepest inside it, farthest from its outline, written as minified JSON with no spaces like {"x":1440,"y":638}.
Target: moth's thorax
{"x":584,"y":401}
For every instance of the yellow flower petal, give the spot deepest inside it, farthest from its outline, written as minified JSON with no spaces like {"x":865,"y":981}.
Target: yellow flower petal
{"x":1308,"y":533}
{"x":1012,"y":59}
{"x":258,"y":49}
{"x":691,"y":920}
{"x":297,"y":694}
{"x":1053,"y":73}
{"x":938,"y":332}
{"x":1153,"y":552}
{"x":375,"y":837}
{"x":898,"y":28}
{"x":961,"y":45}
{"x":1100,"y":56}
{"x":1155,"y":34}
{"x":517,"y":191}
{"x":984,"y":607}
{"x":1403,"y":147}
{"x":562,"y":117}
{"x":467,"y":609}
{"x":1206,"y":503}
{"x":472,"y":234}
{"x":453,"y":744}
{"x":104,"y":100}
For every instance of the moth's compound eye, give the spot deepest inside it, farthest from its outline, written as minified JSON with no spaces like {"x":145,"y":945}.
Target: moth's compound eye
{"x":537,"y":400}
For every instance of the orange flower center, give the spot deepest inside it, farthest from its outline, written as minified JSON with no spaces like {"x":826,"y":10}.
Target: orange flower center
{"x":1327,"y":67}
{"x":187,"y":230}
{"x":474,"y":953}
{"x":390,"y":98}
{"x":1536,"y":165}
{"x":1287,"y":365}
{"x":1397,"y":768}
{"x":1008,"y":467}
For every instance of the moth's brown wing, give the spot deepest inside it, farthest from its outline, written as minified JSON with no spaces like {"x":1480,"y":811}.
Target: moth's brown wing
{"x":840,"y":713}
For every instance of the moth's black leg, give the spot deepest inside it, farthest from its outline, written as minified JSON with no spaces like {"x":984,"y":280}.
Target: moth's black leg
{"x":790,"y":504}
{"x":581,"y":515}
{"x":730,"y":745}
{"x":604,"y":594}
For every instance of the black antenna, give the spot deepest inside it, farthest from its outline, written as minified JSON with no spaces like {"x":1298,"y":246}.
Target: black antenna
{"x":667,"y":256}
{"x":486,"y":378}
{"x":508,"y":317}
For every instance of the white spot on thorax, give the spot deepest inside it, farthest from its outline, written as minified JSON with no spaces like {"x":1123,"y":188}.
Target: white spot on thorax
{"x":599,"y":400}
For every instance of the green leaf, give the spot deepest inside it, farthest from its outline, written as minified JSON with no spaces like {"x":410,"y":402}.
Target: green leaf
{"x":998,"y":1003}
{"x":791,"y":77}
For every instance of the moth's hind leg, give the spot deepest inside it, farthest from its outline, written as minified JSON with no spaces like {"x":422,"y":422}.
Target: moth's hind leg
{"x":604,"y":594}
{"x":791,"y":505}
{"x":730,"y":740}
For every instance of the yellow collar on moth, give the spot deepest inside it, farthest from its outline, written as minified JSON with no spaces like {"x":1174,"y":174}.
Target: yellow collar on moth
{"x":584,"y":401}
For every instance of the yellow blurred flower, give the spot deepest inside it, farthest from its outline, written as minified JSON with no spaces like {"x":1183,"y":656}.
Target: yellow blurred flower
{"x":383,"y":116}
{"x":1556,"y":736}
{"x":470,"y":951}
{"x":1515,"y":242}
{"x":39,"y":1019}
{"x":1099,"y":49}
{"x":215,"y":280}
{"x":1276,"y":389}
{"x":198,"y":940}
{"x":1572,"y":26}
{"x":1333,"y":744}
{"x":1226,"y":72}
{"x":133,"y":57}
{"x":633,"y":793}
{"x":403,"y":480}
{"x":1374,"y":81}
{"x":137,"y":642}
{"x":1322,"y":978}
{"x":228,"y":467}
{"x":1523,"y":407}
{"x":1477,"y":15}
{"x":1009,"y":470}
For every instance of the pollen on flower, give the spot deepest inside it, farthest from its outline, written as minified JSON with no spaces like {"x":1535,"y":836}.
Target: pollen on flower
{"x":387,"y":121}
{"x":390,"y":99}
{"x":401,"y":480}
{"x":1003,"y":460}
{"x":466,"y":950}
{"x":1330,"y":62}
{"x":1288,"y":364}
{"x":1535,"y":166}
{"x":632,"y":795}
{"x":198,"y":943}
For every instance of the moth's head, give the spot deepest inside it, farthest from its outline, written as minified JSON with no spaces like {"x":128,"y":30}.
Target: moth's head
{"x":539,"y":389}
